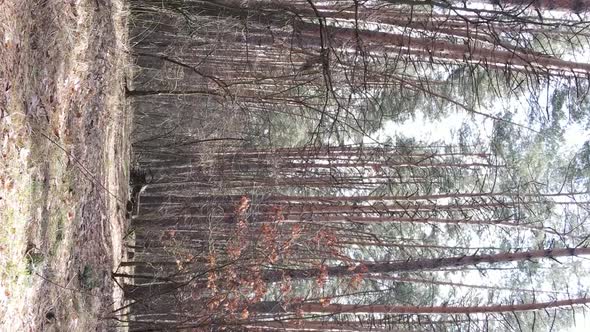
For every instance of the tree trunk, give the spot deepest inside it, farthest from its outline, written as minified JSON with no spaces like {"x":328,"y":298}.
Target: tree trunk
{"x":427,"y":264}
{"x":392,"y":309}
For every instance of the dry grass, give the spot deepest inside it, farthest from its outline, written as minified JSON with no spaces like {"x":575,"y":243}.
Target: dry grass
{"x":63,"y":162}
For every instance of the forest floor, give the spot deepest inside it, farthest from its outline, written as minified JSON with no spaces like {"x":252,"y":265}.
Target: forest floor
{"x":63,"y":162}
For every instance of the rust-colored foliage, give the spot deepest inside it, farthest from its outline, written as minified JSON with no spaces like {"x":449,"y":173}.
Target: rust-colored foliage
{"x":236,"y":275}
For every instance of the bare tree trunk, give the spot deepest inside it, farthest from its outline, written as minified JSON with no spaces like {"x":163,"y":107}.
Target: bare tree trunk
{"x":392,"y":309}
{"x":428,"y":264}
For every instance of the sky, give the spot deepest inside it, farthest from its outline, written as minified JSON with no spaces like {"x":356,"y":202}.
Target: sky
{"x":445,"y":130}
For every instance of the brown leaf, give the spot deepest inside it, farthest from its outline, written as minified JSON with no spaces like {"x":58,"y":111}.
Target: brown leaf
{"x":245,"y":314}
{"x":9,"y":184}
{"x":325,"y":301}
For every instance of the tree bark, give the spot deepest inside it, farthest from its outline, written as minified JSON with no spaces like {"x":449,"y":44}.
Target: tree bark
{"x":392,"y":309}
{"x":426,"y":264}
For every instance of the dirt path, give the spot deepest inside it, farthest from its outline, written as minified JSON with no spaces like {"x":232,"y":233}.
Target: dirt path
{"x":63,"y":162}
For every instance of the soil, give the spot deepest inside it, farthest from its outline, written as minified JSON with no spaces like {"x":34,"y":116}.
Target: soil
{"x":65,"y":157}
